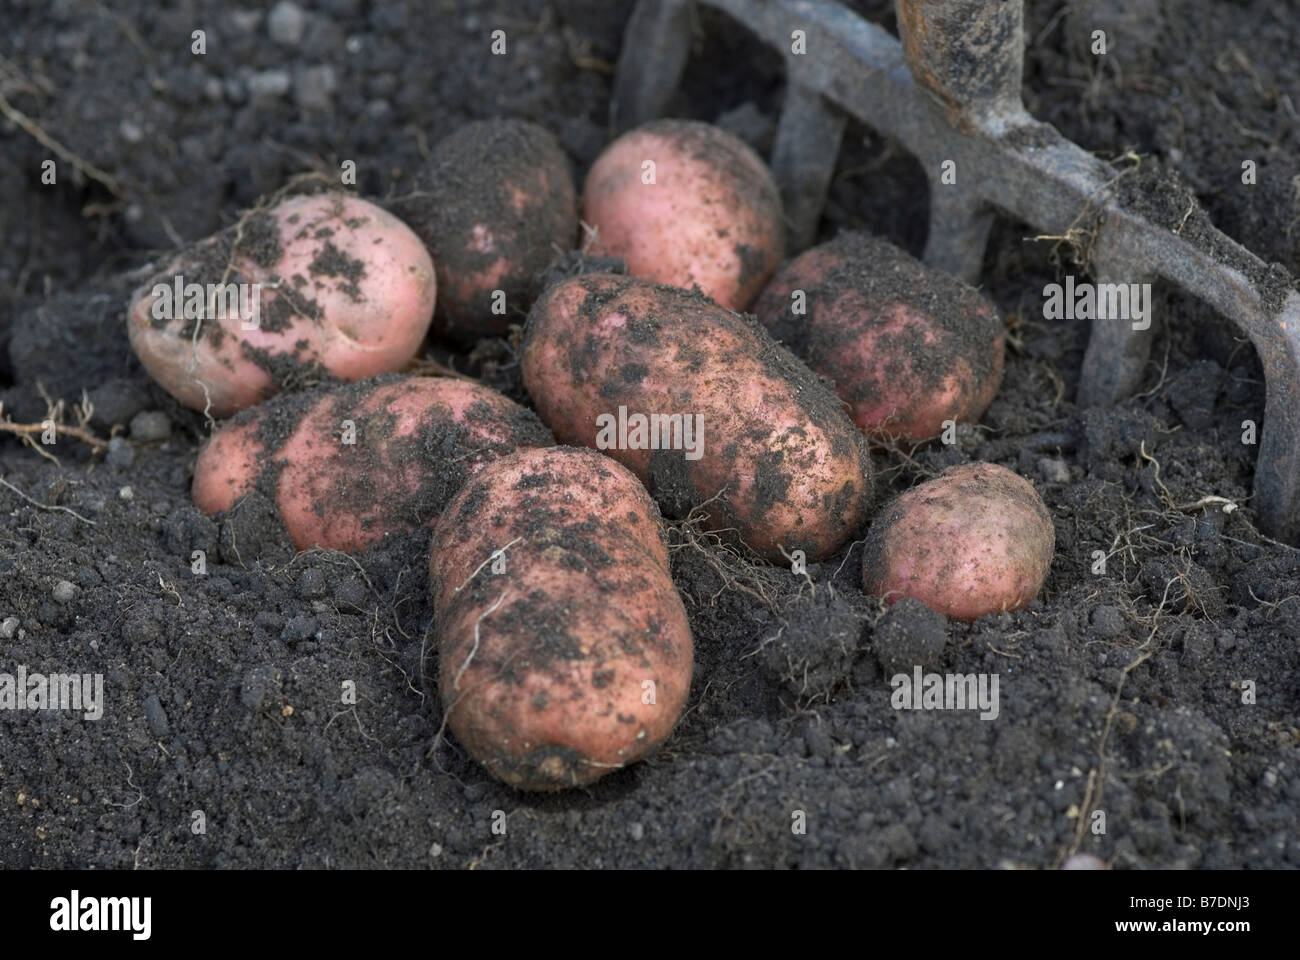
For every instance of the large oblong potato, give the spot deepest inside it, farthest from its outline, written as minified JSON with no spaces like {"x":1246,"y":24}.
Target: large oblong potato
{"x":906,"y":346}
{"x":346,"y":290}
{"x":564,"y":651}
{"x":688,"y":204}
{"x":777,"y":457}
{"x":976,"y":540}
{"x":350,"y":465}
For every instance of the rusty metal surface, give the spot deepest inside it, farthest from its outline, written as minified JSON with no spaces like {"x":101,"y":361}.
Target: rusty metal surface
{"x":951,"y":92}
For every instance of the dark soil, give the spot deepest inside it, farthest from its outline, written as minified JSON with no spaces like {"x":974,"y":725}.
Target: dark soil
{"x":1121,"y":687}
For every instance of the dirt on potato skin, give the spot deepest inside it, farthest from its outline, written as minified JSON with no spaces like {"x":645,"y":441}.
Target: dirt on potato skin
{"x":1002,"y":556}
{"x":858,"y":283}
{"x":506,"y":180}
{"x":683,"y":339}
{"x":246,"y":252}
{"x":591,"y":611}
{"x":1196,"y":778}
{"x":445,"y":450}
{"x":741,"y":175}
{"x":721,"y":183}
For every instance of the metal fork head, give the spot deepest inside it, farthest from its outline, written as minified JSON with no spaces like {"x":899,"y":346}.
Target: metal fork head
{"x":950,"y":94}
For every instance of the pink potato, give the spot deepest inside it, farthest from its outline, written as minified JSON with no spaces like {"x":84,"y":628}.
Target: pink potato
{"x":907,"y":347}
{"x":711,"y":218}
{"x":975,"y":540}
{"x":771,"y":455}
{"x":564,"y":651}
{"x":495,"y":205}
{"x":351,"y":465}
{"x":346,"y":291}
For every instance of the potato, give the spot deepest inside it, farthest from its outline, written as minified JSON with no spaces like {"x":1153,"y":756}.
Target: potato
{"x":564,"y":651}
{"x":907,"y":347}
{"x":346,"y":290}
{"x":771,"y":447}
{"x":350,"y":465}
{"x":711,"y":217}
{"x":975,"y":540}
{"x":494,"y":205}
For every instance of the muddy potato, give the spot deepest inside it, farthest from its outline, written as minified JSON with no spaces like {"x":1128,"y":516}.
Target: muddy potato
{"x":350,"y":465}
{"x":770,"y":445}
{"x":907,"y":347}
{"x":564,"y":651}
{"x":494,"y":205}
{"x":346,"y":290}
{"x":975,"y":540}
{"x":711,"y":218}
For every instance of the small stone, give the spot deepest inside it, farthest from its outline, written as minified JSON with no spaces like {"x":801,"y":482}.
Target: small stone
{"x":155,"y":716}
{"x":909,"y":635}
{"x":64,"y":591}
{"x":1054,"y":470}
{"x":351,"y":593}
{"x":9,"y":627}
{"x":150,"y":426}
{"x":126,"y":493}
{"x":313,"y":88}
{"x":1107,"y":621}
{"x":269,"y":83}
{"x":637,"y":831}
{"x":1197,"y":647}
{"x":141,"y":629}
{"x":311,"y":584}
{"x":120,"y":453}
{"x":90,"y":501}
{"x":256,"y":686}
{"x":286,"y":23}
{"x":1084,"y":861}
{"x":130,"y":131}
{"x":245,"y":21}
{"x":117,"y":401}
{"x":300,"y":628}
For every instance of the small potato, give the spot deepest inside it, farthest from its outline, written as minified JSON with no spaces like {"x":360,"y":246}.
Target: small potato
{"x":346,"y":290}
{"x":907,"y":347}
{"x":975,"y":540}
{"x":711,"y":217}
{"x":564,"y":651}
{"x":350,"y":465}
{"x":770,"y":447}
{"x":494,"y":205}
